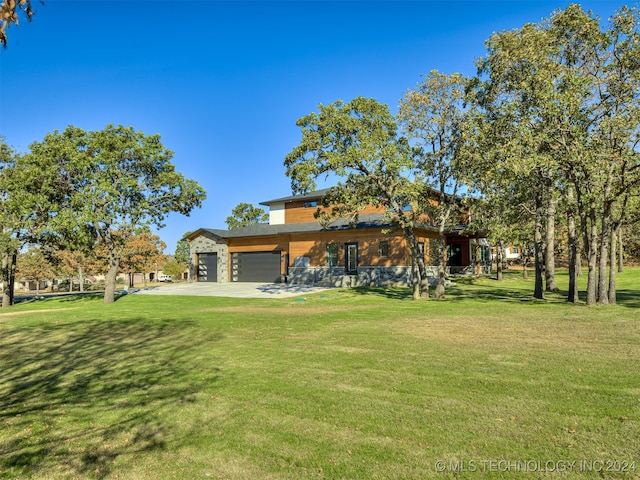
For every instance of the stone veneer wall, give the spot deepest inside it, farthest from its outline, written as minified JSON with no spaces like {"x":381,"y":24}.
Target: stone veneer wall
{"x":367,"y":276}
{"x":207,"y":243}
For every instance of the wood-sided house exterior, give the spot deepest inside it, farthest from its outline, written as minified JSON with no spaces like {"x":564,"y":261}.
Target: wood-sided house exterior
{"x":293,"y":247}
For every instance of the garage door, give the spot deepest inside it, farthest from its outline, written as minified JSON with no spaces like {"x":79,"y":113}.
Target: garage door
{"x":255,"y":267}
{"x":207,"y":267}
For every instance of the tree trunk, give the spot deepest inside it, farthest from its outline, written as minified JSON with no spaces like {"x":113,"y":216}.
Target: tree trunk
{"x":415,"y":280}
{"x":578,"y":259}
{"x":611,"y":295}
{"x":620,"y":250}
{"x":573,"y":295}
{"x":440,"y":288}
{"x":603,"y":290}
{"x":424,"y":278}
{"x":538,"y":247}
{"x":525,"y":264}
{"x":589,"y":230}
{"x":442,"y":252}
{"x":549,"y":247}
{"x":591,"y":241}
{"x":81,"y":278}
{"x":12,"y":277}
{"x":110,"y":280}
{"x":416,"y":274}
{"x":6,"y":297}
{"x":499,"y":259}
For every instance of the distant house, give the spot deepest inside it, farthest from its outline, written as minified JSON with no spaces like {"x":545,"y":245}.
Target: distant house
{"x":510,"y":253}
{"x":293,"y":247}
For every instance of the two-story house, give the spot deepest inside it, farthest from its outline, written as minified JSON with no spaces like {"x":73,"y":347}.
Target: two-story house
{"x":293,"y":247}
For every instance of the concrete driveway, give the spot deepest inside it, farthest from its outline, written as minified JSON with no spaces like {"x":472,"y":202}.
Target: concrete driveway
{"x":235,"y":289}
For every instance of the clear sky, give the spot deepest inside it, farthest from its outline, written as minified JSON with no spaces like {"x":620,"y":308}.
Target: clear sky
{"x":223,"y":83}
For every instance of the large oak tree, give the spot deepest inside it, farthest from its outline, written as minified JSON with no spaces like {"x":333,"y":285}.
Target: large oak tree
{"x":432,"y":116}
{"x":358,"y":142}
{"x":114,"y":181}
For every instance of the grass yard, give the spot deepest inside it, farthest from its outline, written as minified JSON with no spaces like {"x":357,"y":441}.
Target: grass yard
{"x":347,"y":384}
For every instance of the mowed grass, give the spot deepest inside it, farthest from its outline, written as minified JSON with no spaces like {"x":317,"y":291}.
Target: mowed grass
{"x":347,"y":384}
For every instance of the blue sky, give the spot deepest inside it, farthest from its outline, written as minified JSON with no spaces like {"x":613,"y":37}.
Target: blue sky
{"x":223,"y":83}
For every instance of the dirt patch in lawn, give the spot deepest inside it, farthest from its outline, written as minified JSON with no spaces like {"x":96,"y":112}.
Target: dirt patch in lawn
{"x":532,"y":333}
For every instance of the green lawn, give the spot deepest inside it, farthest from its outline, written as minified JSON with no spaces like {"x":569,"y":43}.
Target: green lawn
{"x":353,"y":384}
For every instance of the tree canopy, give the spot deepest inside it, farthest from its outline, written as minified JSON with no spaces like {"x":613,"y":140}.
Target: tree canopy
{"x":432,"y":117}
{"x":359,"y":142}
{"x":113,"y":182}
{"x":561,"y":99}
{"x":245,"y":214}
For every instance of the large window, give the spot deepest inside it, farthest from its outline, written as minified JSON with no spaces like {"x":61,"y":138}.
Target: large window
{"x":332,"y":254}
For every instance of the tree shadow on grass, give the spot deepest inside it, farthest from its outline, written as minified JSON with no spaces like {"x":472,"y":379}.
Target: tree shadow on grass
{"x":485,"y":289}
{"x":628,"y":298}
{"x":88,"y":296}
{"x":75,"y":396}
{"x":393,"y":293}
{"x":463,"y":288}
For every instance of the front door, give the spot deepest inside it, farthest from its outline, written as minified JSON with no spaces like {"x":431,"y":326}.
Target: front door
{"x":351,"y":258}
{"x":454,"y":254}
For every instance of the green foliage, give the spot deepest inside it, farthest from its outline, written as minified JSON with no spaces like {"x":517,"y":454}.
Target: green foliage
{"x":245,"y":214}
{"x":113,"y":182}
{"x":26,"y":192}
{"x":175,"y":269}
{"x":358,"y":142}
{"x":8,"y":222}
{"x":433,"y":118}
{"x":33,"y":266}
{"x":561,"y":114}
{"x":183,"y":253}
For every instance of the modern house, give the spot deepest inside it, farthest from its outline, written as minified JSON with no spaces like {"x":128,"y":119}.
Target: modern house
{"x":295,"y":248}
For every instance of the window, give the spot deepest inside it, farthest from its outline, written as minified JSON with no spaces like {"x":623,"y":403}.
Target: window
{"x":332,"y":254}
{"x":515,"y":250}
{"x":351,"y":258}
{"x":383,"y":248}
{"x":301,"y":262}
{"x":310,"y":204}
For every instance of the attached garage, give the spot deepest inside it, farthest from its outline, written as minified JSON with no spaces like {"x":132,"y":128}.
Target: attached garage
{"x":207,"y":267}
{"x":255,"y":267}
